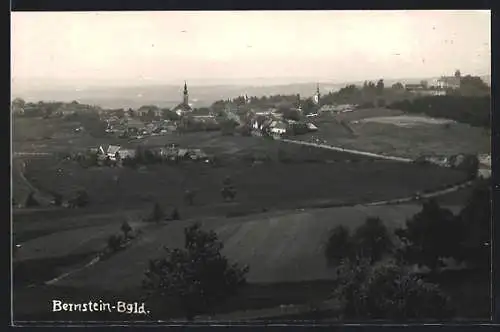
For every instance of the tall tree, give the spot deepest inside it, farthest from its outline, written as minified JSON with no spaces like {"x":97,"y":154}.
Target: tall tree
{"x":430,"y":235}
{"x":339,"y":246}
{"x":476,"y":219}
{"x":387,"y":291}
{"x":372,"y":240}
{"x":380,"y":87}
{"x":197,"y":277}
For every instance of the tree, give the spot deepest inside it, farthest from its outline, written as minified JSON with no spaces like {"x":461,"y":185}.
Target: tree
{"x":57,"y":200}
{"x":175,"y":214}
{"x":430,"y":235}
{"x":228,"y":191}
{"x":397,"y":86}
{"x":126,"y":229}
{"x":372,"y":240}
{"x":114,"y":243}
{"x":157,"y":214}
{"x":339,"y":246}
{"x":31,"y":201}
{"x":81,"y":199}
{"x":380,"y":87}
{"x":189,"y":196}
{"x":387,"y":291}
{"x":197,"y":277}
{"x":473,"y":86}
{"x":476,"y":220}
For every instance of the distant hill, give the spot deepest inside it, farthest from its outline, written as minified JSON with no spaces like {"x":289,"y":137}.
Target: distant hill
{"x":170,"y":95}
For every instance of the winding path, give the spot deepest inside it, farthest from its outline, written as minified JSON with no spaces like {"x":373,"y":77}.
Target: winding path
{"x":357,"y":152}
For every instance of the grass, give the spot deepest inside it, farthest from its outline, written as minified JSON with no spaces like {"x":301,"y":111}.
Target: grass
{"x":398,"y":141}
{"x":283,"y":249}
{"x":276,"y":247}
{"x":270,"y":184}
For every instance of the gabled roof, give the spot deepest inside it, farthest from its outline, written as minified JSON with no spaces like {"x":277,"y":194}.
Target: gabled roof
{"x":113,"y":149}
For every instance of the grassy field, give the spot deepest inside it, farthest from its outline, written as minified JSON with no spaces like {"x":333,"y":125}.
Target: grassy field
{"x":275,"y":246}
{"x":266,"y":185}
{"x":283,"y":246}
{"x":425,"y":139}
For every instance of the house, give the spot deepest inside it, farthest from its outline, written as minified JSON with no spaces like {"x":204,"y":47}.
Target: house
{"x":449,"y":82}
{"x":112,"y":152}
{"x":126,"y":153}
{"x":414,"y":87}
{"x":182,"y":153}
{"x":278,"y":128}
{"x":311,"y":127}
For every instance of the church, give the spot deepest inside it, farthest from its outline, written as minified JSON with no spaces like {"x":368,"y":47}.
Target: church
{"x":184,"y":107}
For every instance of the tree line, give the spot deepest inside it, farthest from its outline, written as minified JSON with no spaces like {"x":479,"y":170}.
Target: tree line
{"x":472,"y":110}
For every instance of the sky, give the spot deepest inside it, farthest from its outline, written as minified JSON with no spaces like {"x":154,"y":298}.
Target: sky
{"x":123,"y":48}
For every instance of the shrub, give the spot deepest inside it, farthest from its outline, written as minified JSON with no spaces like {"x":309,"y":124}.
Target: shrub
{"x":387,"y":292}
{"x":199,"y":277}
{"x":339,"y":246}
{"x":126,"y":229}
{"x":31,"y":201}
{"x":175,"y":215}
{"x":157,"y":214}
{"x":372,"y":240}
{"x":114,"y":243}
{"x":430,"y":235}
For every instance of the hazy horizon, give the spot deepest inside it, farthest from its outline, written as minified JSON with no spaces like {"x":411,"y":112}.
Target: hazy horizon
{"x":279,"y":47}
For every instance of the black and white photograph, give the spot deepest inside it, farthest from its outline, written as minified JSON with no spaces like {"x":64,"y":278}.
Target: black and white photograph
{"x":251,"y":167}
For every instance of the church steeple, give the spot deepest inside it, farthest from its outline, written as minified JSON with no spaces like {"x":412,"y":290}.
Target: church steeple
{"x":186,"y":94}
{"x":317,"y":95}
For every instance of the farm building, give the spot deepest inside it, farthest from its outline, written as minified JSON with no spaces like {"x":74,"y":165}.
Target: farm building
{"x":126,"y":153}
{"x":449,"y":82}
{"x":311,"y":127}
{"x":278,"y":128}
{"x":112,"y":152}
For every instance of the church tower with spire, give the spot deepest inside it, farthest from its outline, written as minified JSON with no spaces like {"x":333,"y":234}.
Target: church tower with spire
{"x":317,"y":95}
{"x":186,"y":94}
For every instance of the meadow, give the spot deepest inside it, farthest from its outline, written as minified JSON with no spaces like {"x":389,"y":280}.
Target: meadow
{"x":273,"y":225}
{"x":367,"y":134}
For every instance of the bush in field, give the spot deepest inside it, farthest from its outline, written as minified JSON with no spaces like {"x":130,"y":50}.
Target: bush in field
{"x":372,"y":240}
{"x":126,"y":229}
{"x":157,"y":214}
{"x":228,"y":191}
{"x":82,"y":198}
{"x":175,"y":215}
{"x":475,"y":218}
{"x":430,"y":235}
{"x":31,"y":201}
{"x":339,"y":246}
{"x":189,"y":196}
{"x":387,"y":291}
{"x":115,"y":243}
{"x":129,"y":162}
{"x":197,"y":277}
{"x":57,"y":199}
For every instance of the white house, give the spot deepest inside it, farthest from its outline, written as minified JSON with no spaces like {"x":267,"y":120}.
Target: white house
{"x":311,"y":126}
{"x":112,"y":152}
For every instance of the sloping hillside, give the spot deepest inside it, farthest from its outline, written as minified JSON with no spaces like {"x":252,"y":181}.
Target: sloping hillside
{"x":277,"y":248}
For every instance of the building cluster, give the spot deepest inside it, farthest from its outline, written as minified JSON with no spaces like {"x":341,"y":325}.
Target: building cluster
{"x":118,"y":154}
{"x":438,"y":87}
